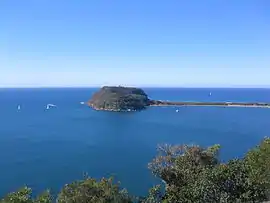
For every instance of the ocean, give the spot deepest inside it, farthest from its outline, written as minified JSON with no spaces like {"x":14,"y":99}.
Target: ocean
{"x":49,"y":148}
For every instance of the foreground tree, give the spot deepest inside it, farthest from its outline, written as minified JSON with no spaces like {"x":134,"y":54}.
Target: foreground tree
{"x":24,"y":195}
{"x":92,"y":191}
{"x":258,"y":160}
{"x":194,"y":174}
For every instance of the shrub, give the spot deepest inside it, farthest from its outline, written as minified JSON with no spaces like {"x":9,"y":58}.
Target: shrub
{"x":24,"y":196}
{"x":194,"y":174}
{"x":258,"y":160}
{"x":191,"y":174}
{"x":92,"y":191}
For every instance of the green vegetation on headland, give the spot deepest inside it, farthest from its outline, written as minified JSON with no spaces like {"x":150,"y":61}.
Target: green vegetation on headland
{"x":134,"y":99}
{"x":192,"y":174}
{"x":119,"y":99}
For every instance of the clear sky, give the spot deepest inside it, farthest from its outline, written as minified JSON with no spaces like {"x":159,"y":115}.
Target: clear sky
{"x":187,"y":43}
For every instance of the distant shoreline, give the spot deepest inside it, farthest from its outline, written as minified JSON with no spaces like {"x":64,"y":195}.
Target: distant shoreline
{"x":221,"y":104}
{"x":158,"y":103}
{"x":119,"y":98}
{"x":146,"y":87}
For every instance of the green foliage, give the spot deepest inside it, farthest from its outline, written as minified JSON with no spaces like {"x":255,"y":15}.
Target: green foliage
{"x":45,"y":197}
{"x":92,"y":191}
{"x":154,"y":196}
{"x":258,"y":160}
{"x":231,"y":183}
{"x":183,"y":163}
{"x":24,"y":196}
{"x":119,"y":99}
{"x":192,"y":174}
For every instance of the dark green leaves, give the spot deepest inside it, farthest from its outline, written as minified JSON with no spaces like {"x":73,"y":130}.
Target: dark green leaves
{"x":192,"y":174}
{"x":92,"y":191}
{"x":24,"y":195}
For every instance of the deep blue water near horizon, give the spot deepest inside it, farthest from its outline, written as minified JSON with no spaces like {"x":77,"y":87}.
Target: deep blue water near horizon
{"x":49,"y":148}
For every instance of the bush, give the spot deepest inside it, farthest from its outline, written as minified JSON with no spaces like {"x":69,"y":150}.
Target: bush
{"x":154,"y":196}
{"x":258,"y":160}
{"x":191,"y":174}
{"x":92,"y":191}
{"x":194,"y":174}
{"x":24,"y":196}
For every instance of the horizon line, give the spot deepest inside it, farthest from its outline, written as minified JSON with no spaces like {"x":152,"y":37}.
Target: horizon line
{"x":73,"y":87}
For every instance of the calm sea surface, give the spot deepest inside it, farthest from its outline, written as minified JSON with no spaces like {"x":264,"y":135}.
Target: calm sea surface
{"x":48,"y":148}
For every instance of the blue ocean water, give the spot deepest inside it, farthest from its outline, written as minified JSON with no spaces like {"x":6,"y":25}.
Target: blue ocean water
{"x":49,"y":148}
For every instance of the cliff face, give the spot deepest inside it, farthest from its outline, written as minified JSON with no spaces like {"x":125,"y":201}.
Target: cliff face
{"x":119,"y":99}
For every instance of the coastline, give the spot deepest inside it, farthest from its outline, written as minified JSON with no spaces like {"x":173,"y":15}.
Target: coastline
{"x":236,"y":106}
{"x":105,"y":109}
{"x":108,"y":98}
{"x":156,"y":103}
{"x":217,"y":104}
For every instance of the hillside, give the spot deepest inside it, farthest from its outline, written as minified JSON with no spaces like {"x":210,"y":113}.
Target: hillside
{"x":119,"y":99}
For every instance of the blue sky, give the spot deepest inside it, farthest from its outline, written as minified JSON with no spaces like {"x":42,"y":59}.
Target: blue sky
{"x":187,"y":43}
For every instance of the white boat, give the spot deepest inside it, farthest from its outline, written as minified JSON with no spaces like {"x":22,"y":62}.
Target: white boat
{"x":210,"y":94}
{"x":81,"y":102}
{"x":177,"y":111}
{"x":19,"y":107}
{"x":50,"y":105}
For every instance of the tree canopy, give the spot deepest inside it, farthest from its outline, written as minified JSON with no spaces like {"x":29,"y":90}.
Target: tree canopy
{"x":192,"y":174}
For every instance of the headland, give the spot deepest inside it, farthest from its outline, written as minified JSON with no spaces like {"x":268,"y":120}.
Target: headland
{"x":118,"y":98}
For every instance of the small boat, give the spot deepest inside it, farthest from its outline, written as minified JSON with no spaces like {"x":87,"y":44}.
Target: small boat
{"x":19,"y":107}
{"x":50,"y":105}
{"x":81,"y":102}
{"x":177,"y":111}
{"x":210,"y":94}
